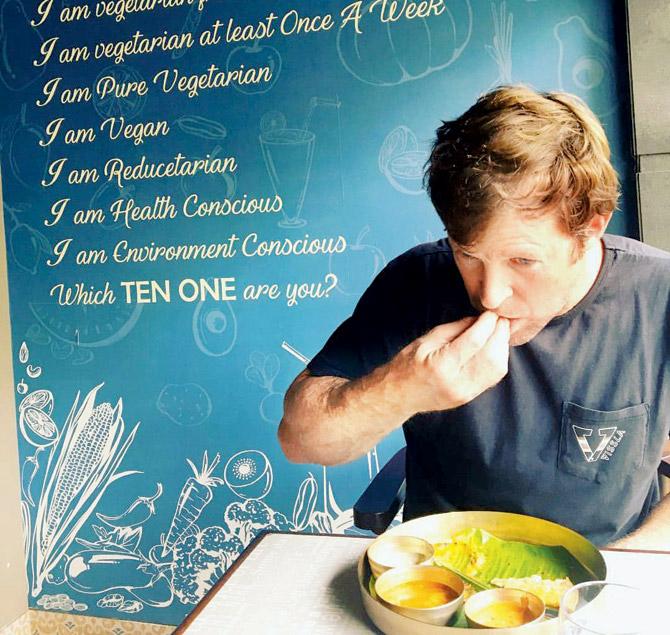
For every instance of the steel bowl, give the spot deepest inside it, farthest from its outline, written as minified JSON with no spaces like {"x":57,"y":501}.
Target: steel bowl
{"x":439,"y":614}
{"x":388,"y":552}
{"x":475,"y":607}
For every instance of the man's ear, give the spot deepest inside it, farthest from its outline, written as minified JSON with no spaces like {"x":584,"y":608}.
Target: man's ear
{"x":597,"y":225}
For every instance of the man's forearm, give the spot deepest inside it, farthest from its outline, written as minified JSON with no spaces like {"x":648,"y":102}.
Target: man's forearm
{"x":654,"y":533}
{"x":330,"y":420}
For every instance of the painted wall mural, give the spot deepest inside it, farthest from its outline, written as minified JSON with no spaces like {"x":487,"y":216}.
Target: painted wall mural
{"x":195,"y":195}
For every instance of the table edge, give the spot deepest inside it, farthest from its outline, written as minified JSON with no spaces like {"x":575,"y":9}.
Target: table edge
{"x":190,"y":618}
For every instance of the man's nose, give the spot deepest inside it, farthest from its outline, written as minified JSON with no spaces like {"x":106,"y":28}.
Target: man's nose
{"x":494,"y":289}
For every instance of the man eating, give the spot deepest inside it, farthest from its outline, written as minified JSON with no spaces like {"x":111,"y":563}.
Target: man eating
{"x":526,"y":354}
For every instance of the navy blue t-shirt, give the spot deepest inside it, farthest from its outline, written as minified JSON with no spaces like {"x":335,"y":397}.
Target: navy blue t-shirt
{"x":575,"y":430}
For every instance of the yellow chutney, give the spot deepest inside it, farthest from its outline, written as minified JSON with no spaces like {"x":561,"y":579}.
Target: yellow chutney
{"x":503,"y":614}
{"x":420,"y":594}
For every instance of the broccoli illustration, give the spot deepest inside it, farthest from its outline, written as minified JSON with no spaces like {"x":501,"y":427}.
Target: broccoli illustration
{"x":203,"y":556}
{"x":280,"y":522}
{"x":200,"y":560}
{"x":246,"y":520}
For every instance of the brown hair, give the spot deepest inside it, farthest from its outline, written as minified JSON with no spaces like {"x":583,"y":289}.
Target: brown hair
{"x":534,"y":151}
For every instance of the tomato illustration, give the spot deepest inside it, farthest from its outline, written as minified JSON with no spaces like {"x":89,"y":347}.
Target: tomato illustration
{"x":357,"y":266}
{"x":255,"y":56}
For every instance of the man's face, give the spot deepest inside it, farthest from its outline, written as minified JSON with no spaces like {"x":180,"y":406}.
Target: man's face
{"x":526,"y":269}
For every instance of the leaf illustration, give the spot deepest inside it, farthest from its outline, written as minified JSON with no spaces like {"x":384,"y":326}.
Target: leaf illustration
{"x":257,"y":360}
{"x":254,"y":375}
{"x":271,"y":368}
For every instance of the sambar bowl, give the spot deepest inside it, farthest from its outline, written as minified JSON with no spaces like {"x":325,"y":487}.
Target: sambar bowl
{"x":503,"y":608}
{"x":422,"y":592}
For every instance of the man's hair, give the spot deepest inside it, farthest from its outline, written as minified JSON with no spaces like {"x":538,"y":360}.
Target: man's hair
{"x":515,"y":146}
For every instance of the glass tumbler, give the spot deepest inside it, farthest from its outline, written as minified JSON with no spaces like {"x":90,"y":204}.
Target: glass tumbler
{"x":602,"y":608}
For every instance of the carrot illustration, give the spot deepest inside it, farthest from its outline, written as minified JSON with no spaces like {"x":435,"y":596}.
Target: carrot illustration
{"x":195,"y":495}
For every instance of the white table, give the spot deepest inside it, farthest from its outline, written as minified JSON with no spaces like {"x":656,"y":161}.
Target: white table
{"x":297,"y":584}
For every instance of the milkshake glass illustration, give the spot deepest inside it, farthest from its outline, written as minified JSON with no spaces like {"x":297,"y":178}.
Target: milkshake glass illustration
{"x":288,"y":155}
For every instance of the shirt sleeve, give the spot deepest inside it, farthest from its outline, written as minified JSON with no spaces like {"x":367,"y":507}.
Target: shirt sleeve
{"x":378,"y":328}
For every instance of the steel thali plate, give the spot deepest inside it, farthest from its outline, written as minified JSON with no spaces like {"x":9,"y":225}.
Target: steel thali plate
{"x":437,"y":527}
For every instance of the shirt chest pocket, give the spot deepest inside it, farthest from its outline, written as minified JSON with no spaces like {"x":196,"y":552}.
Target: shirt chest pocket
{"x":601,"y":444}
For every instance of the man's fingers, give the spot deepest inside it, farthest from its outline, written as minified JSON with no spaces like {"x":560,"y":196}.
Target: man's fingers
{"x":501,"y":334}
{"x":443,"y":333}
{"x":472,"y":340}
{"x":497,"y":346}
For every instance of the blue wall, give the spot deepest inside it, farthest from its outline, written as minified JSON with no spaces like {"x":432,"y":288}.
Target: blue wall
{"x":339,"y":133}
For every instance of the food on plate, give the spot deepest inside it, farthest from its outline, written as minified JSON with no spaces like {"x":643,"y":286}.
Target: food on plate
{"x":546,"y":571}
{"x":503,"y":608}
{"x":503,"y":614}
{"x":420,"y":594}
{"x":549,"y":591}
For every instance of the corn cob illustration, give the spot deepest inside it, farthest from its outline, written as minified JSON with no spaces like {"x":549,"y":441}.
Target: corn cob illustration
{"x":79,"y":463}
{"x":83,"y":464}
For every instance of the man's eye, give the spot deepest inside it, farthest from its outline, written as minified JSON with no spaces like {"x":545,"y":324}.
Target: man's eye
{"x":523,"y":262}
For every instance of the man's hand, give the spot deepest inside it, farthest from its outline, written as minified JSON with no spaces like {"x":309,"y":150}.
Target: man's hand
{"x":330,"y":420}
{"x":453,"y":363}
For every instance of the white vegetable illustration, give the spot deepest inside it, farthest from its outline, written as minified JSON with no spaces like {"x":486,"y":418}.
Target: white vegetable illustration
{"x":28,"y":472}
{"x":83,"y":464}
{"x":195,"y":495}
{"x":262,"y":371}
{"x":139,"y":511}
{"x":248,"y":474}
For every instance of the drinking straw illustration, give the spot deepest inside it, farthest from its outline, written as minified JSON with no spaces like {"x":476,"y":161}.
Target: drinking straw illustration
{"x":314,"y":103}
{"x":292,"y":351}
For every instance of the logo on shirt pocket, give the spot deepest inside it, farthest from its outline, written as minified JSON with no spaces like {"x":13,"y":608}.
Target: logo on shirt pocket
{"x":599,"y":444}
{"x":608,"y":440}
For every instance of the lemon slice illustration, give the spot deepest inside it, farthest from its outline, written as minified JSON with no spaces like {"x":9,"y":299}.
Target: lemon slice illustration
{"x":90,"y":326}
{"x":39,"y":400}
{"x":37,"y":427}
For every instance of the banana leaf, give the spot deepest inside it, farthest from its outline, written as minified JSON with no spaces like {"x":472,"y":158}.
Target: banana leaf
{"x":482,"y":556}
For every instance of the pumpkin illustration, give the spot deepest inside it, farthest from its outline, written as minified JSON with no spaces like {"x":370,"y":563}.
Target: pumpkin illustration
{"x":393,"y":52}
